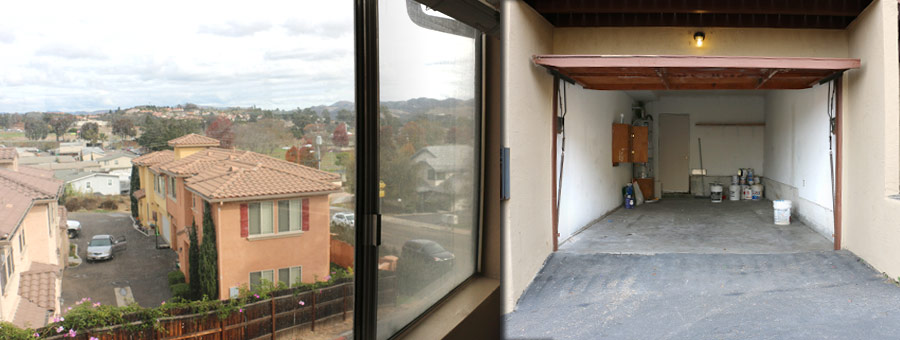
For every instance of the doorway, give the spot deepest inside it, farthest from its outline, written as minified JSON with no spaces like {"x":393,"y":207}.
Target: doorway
{"x":674,"y":146}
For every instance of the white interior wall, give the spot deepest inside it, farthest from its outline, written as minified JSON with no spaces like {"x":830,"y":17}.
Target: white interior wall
{"x":591,"y":186}
{"x":797,"y":161}
{"x":725,"y":148}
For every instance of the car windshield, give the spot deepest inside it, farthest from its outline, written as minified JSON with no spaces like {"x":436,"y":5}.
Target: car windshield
{"x":433,"y":248}
{"x":100,"y":242}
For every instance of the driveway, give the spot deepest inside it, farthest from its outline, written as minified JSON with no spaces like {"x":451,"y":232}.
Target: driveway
{"x":674,"y":271}
{"x":141,"y":266}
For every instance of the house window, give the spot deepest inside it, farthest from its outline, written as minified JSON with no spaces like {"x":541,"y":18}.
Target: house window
{"x":193,"y":202}
{"x":109,"y":182}
{"x":3,"y":275}
{"x":173,"y":192}
{"x":260,"y":218}
{"x":289,"y":215}
{"x":88,"y":185}
{"x":431,"y":174}
{"x":290,"y":276}
{"x":50,"y":219}
{"x":258,"y":278}
{"x":22,"y":243}
{"x":116,"y":162}
{"x":10,"y":263}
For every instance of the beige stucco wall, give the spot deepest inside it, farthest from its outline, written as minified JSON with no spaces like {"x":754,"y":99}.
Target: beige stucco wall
{"x":870,"y":227}
{"x":42,"y":239}
{"x":719,"y":41}
{"x":528,"y":105}
{"x":238,"y":256}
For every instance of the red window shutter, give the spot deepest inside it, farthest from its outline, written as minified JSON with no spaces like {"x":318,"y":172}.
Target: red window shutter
{"x":305,"y":212}
{"x":245,"y":221}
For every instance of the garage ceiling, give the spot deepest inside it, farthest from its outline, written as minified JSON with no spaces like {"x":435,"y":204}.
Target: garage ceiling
{"x":627,"y":72}
{"x":834,"y":14}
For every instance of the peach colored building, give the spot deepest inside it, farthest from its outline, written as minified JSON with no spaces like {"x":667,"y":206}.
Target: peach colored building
{"x":271,"y":216}
{"x":33,"y":243}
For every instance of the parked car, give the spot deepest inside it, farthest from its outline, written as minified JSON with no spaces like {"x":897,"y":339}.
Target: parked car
{"x":344,"y":219}
{"x":73,"y":228}
{"x":104,"y":247}
{"x":422,"y":262}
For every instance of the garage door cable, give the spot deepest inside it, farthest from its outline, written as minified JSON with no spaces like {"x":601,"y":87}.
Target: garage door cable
{"x":563,"y":107}
{"x":832,"y":94}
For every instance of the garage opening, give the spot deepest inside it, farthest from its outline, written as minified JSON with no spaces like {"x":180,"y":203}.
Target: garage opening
{"x":697,"y":149}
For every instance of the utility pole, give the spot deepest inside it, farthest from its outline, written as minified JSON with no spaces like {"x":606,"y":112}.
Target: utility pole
{"x":318,"y":153}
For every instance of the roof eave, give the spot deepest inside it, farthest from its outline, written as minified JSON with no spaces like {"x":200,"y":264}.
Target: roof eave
{"x":261,"y":197}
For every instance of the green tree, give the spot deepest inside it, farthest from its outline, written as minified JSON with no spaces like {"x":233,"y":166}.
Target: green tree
{"x":209,"y":257}
{"x":194,"y":264}
{"x":123,"y":127}
{"x":91,"y":132}
{"x":36,"y":129}
{"x":59,"y":123}
{"x":135,"y":186}
{"x":346,"y":117}
{"x":158,"y":131}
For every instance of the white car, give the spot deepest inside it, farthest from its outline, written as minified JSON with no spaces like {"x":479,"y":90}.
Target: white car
{"x":344,"y":219}
{"x":73,"y":228}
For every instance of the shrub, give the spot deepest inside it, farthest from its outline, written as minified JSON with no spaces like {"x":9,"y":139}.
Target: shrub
{"x":73,"y":204}
{"x":89,"y":203}
{"x":181,"y":291}
{"x":9,"y":331}
{"x":176,"y":277}
{"x":109,"y":205}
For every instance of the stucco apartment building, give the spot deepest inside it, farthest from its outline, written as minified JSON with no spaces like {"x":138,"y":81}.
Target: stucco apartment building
{"x":33,"y":245}
{"x":271,"y":216}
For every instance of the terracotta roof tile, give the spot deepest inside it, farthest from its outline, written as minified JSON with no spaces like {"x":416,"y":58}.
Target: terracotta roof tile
{"x":234,"y":180}
{"x":194,"y":140}
{"x":154,"y":158}
{"x":18,"y":189}
{"x":38,"y":284}
{"x":7,"y":154}
{"x":30,"y":315}
{"x":138,"y":194}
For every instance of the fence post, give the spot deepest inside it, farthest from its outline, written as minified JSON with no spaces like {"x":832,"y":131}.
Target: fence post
{"x":273,"y":317}
{"x":313,"y":326}
{"x":221,"y":330}
{"x":344,"y":293}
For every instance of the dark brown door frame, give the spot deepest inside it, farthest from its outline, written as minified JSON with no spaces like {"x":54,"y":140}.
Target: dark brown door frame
{"x":554,"y":130}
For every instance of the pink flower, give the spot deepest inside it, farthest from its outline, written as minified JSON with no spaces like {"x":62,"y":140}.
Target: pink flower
{"x":332,"y":273}
{"x":36,"y":335}
{"x":60,"y":329}
{"x":162,"y":303}
{"x":96,"y":304}
{"x":71,"y":333}
{"x":240,"y":310}
{"x":302,"y":303}
{"x":256,"y":296}
{"x":93,"y":338}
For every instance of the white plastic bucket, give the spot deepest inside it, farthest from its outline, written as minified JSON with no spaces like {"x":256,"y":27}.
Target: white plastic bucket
{"x":716,"y":193}
{"x":746,"y":193}
{"x":756,"y":189}
{"x":734,"y":192}
{"x":782,"y":212}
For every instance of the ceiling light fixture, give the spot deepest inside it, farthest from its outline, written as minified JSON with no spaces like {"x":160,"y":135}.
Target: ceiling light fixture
{"x":699,"y":37}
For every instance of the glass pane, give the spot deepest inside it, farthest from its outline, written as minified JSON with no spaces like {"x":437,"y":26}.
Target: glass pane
{"x":429,"y":121}
{"x":213,"y":106}
{"x":265,"y":217}
{"x":284,"y":276}
{"x":254,"y":218}
{"x":284,"y":212}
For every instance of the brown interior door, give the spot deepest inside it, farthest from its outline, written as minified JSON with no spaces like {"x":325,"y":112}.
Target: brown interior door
{"x":674,"y":151}
{"x":639,"y":144}
{"x":621,"y":140}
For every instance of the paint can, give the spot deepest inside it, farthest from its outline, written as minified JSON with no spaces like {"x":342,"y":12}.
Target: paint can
{"x":782,"y":212}
{"x":756,"y":190}
{"x":734,"y":192}
{"x":716,"y":193}
{"x":735,"y":179}
{"x":746,"y":193}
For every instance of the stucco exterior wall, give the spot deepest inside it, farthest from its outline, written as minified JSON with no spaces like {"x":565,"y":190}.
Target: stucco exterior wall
{"x":871,"y":138}
{"x":22,"y":257}
{"x":238,"y":256}
{"x":591,"y":186}
{"x":99,"y":183}
{"x":719,"y":41}
{"x":528,"y":101}
{"x":42,"y":237}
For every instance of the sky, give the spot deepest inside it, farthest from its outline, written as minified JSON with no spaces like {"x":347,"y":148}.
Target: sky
{"x":99,"y":55}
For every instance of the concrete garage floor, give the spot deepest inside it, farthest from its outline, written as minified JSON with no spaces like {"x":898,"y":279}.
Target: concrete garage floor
{"x":781,"y":283}
{"x":141,"y":266}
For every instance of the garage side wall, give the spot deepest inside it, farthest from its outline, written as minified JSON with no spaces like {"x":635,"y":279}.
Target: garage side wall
{"x":528,"y":120}
{"x":591,"y":186}
{"x":870,"y":160}
{"x":798,"y":167}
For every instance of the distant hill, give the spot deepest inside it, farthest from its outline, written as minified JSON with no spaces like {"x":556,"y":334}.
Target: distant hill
{"x":415,"y":106}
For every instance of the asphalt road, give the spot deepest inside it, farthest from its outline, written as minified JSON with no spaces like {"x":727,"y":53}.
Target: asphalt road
{"x":141,"y":266}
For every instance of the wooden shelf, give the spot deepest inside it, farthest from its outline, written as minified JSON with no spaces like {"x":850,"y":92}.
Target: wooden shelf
{"x":730,"y":124}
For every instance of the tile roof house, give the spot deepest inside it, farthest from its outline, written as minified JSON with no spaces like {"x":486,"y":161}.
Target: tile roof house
{"x":30,"y":269}
{"x":272,"y":215}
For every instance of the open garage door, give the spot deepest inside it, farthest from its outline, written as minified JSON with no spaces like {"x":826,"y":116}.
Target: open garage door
{"x":698,"y":74}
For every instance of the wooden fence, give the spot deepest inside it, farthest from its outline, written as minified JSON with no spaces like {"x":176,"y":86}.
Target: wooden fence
{"x":281,"y":313}
{"x":342,"y":253}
